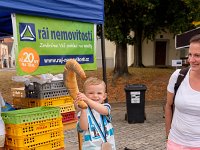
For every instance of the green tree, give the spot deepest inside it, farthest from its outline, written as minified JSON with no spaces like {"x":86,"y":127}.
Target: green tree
{"x":145,"y":18}
{"x":194,"y":6}
{"x":117,"y":29}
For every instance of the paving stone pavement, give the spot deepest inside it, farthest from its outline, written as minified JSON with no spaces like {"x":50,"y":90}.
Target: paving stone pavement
{"x":149,"y":135}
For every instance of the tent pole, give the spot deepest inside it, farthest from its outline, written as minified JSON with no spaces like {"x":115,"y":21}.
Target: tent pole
{"x":103,"y":56}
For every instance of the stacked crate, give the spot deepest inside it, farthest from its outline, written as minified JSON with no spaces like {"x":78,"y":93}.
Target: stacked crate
{"x":46,"y":90}
{"x":38,"y":128}
{"x":48,"y":94}
{"x":18,"y":92}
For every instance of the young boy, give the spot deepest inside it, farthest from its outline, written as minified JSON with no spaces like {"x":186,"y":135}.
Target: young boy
{"x":95,"y":121}
{"x":2,"y":126}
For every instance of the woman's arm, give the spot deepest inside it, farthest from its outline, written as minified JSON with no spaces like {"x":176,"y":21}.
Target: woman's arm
{"x":168,"y":112}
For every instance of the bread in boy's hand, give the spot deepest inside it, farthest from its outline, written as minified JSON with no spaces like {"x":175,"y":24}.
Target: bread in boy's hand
{"x":72,"y":67}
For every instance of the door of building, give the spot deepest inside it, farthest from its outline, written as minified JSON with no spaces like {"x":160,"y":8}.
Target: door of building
{"x":160,"y":53}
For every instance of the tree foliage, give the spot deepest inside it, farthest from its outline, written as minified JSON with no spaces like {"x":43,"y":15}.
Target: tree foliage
{"x":145,"y":18}
{"x":194,"y":7}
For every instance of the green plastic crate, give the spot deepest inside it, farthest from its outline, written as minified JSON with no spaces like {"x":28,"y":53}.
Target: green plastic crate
{"x":30,"y":115}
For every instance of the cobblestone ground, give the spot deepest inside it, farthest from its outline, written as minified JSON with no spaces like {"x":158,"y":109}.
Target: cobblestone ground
{"x":149,"y":135}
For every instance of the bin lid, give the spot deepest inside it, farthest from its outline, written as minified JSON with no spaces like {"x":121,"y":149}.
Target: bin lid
{"x":135,"y":87}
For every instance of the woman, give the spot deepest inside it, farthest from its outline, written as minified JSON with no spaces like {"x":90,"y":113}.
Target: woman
{"x":2,"y":125}
{"x":183,"y":129}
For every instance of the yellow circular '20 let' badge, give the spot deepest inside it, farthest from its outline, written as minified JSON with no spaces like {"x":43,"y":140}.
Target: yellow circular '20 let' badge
{"x":28,"y":59}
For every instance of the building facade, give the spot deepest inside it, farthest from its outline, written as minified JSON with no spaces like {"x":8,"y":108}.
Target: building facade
{"x":4,"y":57}
{"x":159,"y":52}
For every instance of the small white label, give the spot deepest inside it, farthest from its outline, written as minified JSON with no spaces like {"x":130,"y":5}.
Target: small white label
{"x":135,"y":97}
{"x":176,"y":63}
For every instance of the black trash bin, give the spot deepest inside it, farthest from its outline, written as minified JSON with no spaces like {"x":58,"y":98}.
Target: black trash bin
{"x":135,"y":103}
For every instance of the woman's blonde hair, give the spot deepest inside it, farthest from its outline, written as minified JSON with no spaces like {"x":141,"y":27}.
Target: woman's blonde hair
{"x":93,"y":81}
{"x":195,"y":38}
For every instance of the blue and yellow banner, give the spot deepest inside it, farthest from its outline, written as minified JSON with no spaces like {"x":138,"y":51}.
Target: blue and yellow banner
{"x":45,"y":44}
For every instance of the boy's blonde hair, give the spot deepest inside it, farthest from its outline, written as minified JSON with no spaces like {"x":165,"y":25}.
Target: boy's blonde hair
{"x":93,"y":81}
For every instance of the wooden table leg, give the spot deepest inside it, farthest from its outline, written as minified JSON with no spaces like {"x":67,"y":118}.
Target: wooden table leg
{"x":80,"y":140}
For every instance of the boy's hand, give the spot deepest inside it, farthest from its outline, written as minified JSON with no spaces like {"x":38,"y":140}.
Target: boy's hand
{"x":80,"y":101}
{"x":81,"y":96}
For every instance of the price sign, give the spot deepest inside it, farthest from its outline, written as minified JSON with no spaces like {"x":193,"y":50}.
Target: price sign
{"x":28,"y":60}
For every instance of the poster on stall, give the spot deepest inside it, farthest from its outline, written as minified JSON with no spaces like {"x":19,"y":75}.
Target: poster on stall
{"x":43,"y":45}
